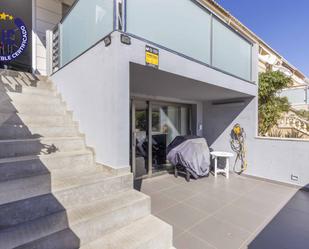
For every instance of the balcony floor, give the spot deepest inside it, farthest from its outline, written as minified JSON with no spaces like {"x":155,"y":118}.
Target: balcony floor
{"x":240,"y":212}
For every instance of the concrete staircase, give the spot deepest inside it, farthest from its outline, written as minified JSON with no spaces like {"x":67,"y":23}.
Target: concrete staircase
{"x":52,"y":193}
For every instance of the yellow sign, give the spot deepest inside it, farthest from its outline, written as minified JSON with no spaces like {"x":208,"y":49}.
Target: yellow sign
{"x":152,"y":57}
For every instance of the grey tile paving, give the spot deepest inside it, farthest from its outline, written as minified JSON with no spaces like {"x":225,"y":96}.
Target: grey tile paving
{"x":160,"y":202}
{"x":181,"y":216}
{"x":205,"y":203}
{"x":245,"y":219}
{"x":155,"y":185}
{"x":256,"y":206}
{"x":178,"y":193}
{"x":240,"y":212}
{"x":220,"y":234}
{"x":189,"y":241}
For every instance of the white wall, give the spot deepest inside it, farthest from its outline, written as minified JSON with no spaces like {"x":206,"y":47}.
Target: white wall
{"x":274,"y":159}
{"x":46,"y":15}
{"x":98,"y":94}
{"x":96,"y":88}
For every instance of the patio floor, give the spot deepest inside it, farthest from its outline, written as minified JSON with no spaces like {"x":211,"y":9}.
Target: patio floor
{"x":238,"y":213}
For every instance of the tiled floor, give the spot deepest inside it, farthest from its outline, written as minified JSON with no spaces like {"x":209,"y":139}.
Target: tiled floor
{"x":237,"y":213}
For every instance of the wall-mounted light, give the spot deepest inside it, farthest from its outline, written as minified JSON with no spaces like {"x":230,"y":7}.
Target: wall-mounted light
{"x":125,"y":39}
{"x":107,"y":40}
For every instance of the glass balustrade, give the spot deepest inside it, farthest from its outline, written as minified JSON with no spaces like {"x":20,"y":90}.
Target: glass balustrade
{"x":86,"y":24}
{"x":179,"y":25}
{"x":182,"y":26}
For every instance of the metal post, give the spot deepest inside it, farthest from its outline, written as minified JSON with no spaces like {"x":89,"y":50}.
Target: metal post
{"x":133,"y":139}
{"x":49,"y":52}
{"x":149,"y":139}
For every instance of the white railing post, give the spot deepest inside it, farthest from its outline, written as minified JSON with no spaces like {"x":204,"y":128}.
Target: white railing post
{"x":49,"y":52}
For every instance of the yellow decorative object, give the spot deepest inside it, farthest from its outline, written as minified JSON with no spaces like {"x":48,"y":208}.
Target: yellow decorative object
{"x":2,"y":16}
{"x":238,"y":146}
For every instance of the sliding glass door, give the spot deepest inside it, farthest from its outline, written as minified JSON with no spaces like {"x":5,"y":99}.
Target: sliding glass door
{"x":168,"y":122}
{"x":154,"y":127}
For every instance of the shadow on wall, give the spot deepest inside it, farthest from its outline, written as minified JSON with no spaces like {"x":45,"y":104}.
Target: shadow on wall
{"x":25,"y":185}
{"x":219,"y":116}
{"x":289,"y":229}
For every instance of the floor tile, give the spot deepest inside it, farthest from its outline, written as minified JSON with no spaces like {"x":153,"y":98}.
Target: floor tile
{"x":159,"y":202}
{"x":239,"y":212}
{"x":181,"y":216}
{"x":189,"y":241}
{"x":200,"y":185}
{"x":206,"y":204}
{"x":155,"y":185}
{"x":176,"y":233}
{"x":178,"y":193}
{"x":245,"y":219}
{"x":222,"y":194}
{"x":259,"y":207}
{"x":220,"y":234}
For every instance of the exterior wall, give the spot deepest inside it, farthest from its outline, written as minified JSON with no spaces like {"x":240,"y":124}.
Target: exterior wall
{"x":46,"y":15}
{"x":173,"y":63}
{"x":274,"y":159}
{"x":96,"y":87}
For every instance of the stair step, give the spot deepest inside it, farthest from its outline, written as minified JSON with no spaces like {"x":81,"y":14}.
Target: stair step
{"x":38,"y":91}
{"x":21,"y":118}
{"x":146,"y":233}
{"x":88,"y":222}
{"x":30,"y":87}
{"x":69,"y":191}
{"x":25,"y":98}
{"x":33,"y":108}
{"x":37,"y":131}
{"x":65,"y":239}
{"x":63,"y":163}
{"x":28,"y":90}
{"x":39,"y":146}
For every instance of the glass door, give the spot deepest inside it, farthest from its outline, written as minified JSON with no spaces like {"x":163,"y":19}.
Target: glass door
{"x":154,"y":127}
{"x":168,"y":122}
{"x":140,"y":138}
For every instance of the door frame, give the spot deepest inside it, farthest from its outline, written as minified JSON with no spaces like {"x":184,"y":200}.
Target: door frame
{"x":150,"y":103}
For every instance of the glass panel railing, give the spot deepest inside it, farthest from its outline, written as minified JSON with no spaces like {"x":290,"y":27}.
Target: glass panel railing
{"x":179,"y":25}
{"x":187,"y":28}
{"x":231,"y":53}
{"x":295,"y":96}
{"x":87,"y":23}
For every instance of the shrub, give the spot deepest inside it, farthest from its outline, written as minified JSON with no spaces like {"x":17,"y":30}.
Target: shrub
{"x":271,"y":106}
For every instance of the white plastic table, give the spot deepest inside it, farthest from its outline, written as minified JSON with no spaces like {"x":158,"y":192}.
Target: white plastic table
{"x":227,"y":156}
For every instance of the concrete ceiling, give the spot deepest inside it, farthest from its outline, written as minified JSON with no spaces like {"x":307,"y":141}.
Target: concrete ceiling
{"x":148,"y":81}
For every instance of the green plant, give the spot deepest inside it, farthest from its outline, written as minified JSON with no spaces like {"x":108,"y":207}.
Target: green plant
{"x":271,"y":106}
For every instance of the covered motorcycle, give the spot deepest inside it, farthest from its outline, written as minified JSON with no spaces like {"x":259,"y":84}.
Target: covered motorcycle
{"x":190,"y":152}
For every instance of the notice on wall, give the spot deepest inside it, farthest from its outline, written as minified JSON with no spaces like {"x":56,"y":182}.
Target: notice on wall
{"x":152,"y":56}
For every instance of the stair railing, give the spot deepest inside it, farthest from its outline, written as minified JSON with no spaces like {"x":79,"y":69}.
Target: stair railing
{"x":293,"y":121}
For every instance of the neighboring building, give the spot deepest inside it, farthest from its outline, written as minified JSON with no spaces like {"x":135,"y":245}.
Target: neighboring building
{"x":298,"y":96}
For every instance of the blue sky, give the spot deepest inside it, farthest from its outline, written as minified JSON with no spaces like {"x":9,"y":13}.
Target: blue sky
{"x":282,"y":24}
